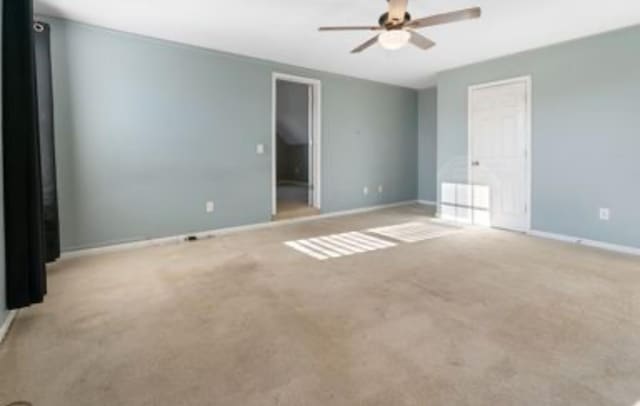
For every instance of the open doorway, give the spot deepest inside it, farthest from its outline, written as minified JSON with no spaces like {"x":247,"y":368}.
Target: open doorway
{"x":296,"y":155}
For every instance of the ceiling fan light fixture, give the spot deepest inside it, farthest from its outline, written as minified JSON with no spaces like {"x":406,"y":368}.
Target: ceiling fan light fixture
{"x":394,"y":39}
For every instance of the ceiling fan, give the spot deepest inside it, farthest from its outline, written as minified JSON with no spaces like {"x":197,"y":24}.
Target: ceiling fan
{"x":398,"y":28}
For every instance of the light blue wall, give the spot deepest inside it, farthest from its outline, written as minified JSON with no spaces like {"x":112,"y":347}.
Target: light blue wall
{"x":586,"y":132}
{"x":427,"y":144}
{"x":3,"y":289}
{"x":147,"y":131}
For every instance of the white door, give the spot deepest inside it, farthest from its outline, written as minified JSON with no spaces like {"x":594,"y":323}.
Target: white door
{"x":499,"y":153}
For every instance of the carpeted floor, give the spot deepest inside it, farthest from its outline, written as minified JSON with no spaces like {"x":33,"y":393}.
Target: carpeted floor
{"x":290,"y":209}
{"x":293,"y":201}
{"x":479,"y":317}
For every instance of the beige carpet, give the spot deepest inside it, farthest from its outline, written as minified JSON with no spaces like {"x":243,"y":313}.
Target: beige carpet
{"x":480,"y":317}
{"x":290,"y":209}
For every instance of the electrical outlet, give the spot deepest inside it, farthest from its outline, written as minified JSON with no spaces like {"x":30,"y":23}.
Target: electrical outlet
{"x":210,"y":207}
{"x":379,"y":188}
{"x":260,"y":149}
{"x":365,"y":191}
{"x":605,"y":214}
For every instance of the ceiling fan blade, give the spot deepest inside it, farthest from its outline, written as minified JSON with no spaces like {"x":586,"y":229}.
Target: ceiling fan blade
{"x":397,"y":9}
{"x":365,"y":45}
{"x":445,"y":18}
{"x":353,"y":28}
{"x":421,"y":41}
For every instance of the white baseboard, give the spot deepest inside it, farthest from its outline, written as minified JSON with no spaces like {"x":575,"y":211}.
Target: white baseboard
{"x":428,"y":202}
{"x":4,"y":329}
{"x":582,"y":241}
{"x":222,"y":231}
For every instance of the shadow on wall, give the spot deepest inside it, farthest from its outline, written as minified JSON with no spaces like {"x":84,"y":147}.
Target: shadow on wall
{"x":465,"y":203}
{"x":459,"y":200}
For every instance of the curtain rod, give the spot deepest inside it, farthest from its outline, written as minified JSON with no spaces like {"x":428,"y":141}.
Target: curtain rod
{"x":38,"y":26}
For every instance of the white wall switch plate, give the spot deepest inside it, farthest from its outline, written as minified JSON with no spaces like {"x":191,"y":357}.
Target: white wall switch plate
{"x":365,"y":191}
{"x":605,"y":214}
{"x":260,"y":149}
{"x":210,"y":207}
{"x":380,"y":189}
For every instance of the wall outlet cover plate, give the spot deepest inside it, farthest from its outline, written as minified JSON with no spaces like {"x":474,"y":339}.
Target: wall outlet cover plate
{"x":605,"y":214}
{"x":210,"y":207}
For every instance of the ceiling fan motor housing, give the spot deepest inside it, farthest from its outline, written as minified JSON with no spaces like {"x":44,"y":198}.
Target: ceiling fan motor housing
{"x":388,"y":24}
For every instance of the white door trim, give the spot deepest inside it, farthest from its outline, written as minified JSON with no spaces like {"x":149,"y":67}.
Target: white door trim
{"x":316,"y":136}
{"x":310,"y":158}
{"x":528,"y":127}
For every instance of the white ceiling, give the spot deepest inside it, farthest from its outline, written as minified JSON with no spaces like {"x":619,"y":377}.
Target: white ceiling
{"x":285,"y":30}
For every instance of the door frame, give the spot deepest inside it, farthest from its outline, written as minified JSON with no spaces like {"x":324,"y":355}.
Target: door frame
{"x":528,"y":136}
{"x":315,"y":128}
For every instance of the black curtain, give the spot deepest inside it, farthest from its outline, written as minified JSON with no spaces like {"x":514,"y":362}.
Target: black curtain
{"x":23,"y":210}
{"x":47,"y":147}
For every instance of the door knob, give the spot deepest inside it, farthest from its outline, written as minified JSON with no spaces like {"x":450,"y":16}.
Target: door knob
{"x":475,"y":163}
